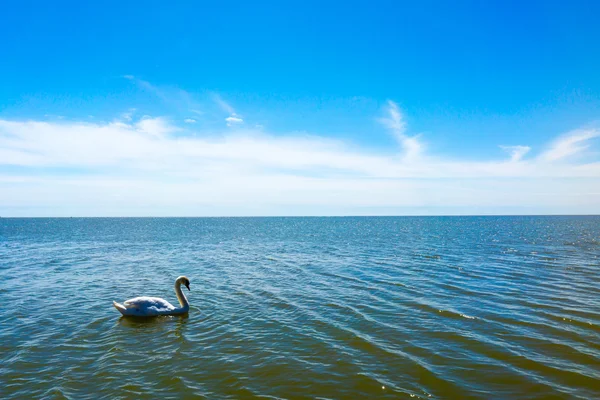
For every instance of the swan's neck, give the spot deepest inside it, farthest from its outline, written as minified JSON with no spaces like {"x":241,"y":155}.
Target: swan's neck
{"x":181,"y":297}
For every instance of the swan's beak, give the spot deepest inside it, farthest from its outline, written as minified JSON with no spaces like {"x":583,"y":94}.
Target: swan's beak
{"x":187,"y":286}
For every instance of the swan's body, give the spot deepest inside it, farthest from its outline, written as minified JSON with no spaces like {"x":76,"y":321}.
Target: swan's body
{"x":155,"y":306}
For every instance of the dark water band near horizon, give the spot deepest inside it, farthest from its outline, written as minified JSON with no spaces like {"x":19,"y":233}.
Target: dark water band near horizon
{"x":330,"y":308}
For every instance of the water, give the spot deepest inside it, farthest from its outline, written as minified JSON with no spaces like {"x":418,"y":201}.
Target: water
{"x":464,"y":307}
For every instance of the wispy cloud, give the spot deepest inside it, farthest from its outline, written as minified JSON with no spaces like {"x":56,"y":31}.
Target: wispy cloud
{"x":34,"y":143}
{"x":395,"y":123}
{"x":178,"y":100}
{"x":570,"y":144}
{"x":182,"y":103}
{"x":189,"y":121}
{"x":516,"y":152}
{"x":150,"y":163}
{"x":233,"y":119}
{"x":128,"y":116}
{"x":223,"y":104}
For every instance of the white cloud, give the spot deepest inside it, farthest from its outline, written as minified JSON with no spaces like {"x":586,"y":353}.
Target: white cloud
{"x":234,"y":119}
{"x":570,"y":144}
{"x":516,"y":152}
{"x":223,"y":104}
{"x":395,"y":120}
{"x":128,"y":116}
{"x":125,"y":168}
{"x":155,"y":126}
{"x":177,"y":100}
{"x":189,"y":121}
{"x":395,"y":123}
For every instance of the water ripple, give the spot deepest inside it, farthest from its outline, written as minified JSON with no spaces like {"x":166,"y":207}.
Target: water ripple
{"x":329,"y":308}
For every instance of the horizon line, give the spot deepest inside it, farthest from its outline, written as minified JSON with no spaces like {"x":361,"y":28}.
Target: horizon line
{"x":310,"y":216}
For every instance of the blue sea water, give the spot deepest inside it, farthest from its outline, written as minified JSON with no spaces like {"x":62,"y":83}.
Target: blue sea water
{"x":330,"y":308}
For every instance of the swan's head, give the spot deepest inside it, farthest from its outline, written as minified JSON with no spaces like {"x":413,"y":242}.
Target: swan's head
{"x":183,"y":280}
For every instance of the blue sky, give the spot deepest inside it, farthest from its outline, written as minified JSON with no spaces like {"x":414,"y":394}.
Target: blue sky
{"x":151,"y":108}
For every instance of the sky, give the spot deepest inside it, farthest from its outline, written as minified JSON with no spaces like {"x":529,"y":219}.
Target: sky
{"x":152,"y":108}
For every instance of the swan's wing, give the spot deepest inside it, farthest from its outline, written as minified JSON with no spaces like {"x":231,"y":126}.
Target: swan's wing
{"x":151,"y":304}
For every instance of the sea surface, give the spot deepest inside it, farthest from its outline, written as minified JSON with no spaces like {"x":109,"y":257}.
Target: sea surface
{"x":328,"y":308}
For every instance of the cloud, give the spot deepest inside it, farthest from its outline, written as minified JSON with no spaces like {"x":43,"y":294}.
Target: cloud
{"x":189,"y":121}
{"x":223,"y":104}
{"x":137,"y":145}
{"x":149,"y":167}
{"x":570,"y":144}
{"x":177,"y":100}
{"x":516,"y":152}
{"x":181,"y":103}
{"x":234,"y":119}
{"x":155,"y":126}
{"x":395,"y":123}
{"x":128,"y":116}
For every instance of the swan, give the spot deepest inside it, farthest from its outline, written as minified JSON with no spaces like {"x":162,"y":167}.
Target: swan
{"x":155,"y":306}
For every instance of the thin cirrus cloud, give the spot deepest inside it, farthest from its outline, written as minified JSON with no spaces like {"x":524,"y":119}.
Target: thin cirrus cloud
{"x":569,"y":145}
{"x":516,"y":152}
{"x":152,"y":166}
{"x":182,"y":101}
{"x":223,"y":104}
{"x":174,"y":98}
{"x":394,"y":121}
{"x":233,"y":119}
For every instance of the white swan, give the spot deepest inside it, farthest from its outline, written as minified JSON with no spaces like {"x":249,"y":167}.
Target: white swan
{"x":155,"y":306}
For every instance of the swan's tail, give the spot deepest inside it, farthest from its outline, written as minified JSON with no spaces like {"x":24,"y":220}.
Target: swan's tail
{"x":120,"y":307}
